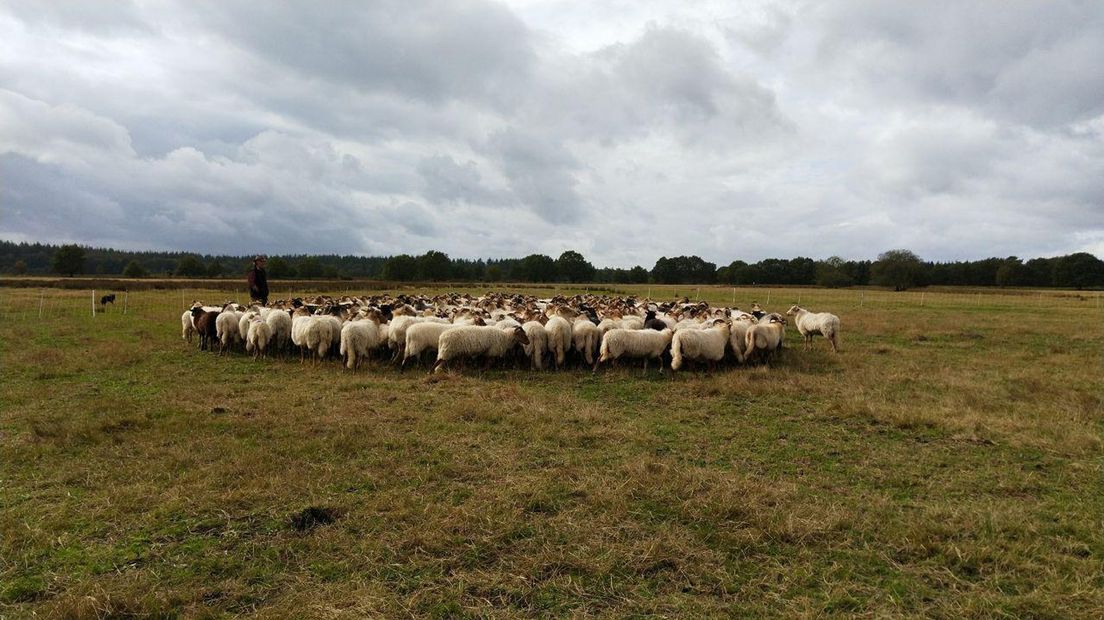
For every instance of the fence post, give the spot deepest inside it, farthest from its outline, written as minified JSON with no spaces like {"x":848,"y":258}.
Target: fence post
{"x":93,"y":303}
{"x":126,"y":295}
{"x":979,"y":299}
{"x":768,"y":296}
{"x":734,"y":296}
{"x":862,"y":298}
{"x":41,"y":301}
{"x":922,"y":293}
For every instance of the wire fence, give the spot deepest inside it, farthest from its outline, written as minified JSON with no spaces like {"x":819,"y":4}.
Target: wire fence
{"x":51,"y":304}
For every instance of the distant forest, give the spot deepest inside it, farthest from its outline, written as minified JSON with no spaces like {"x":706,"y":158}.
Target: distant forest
{"x":899,"y":269}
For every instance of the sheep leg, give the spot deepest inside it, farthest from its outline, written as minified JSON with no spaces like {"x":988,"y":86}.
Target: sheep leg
{"x":439,"y":365}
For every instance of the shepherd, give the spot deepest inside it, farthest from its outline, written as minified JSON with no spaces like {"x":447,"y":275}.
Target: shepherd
{"x":258,"y":280}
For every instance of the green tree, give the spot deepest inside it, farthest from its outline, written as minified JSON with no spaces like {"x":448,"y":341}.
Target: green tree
{"x":434,"y":266}
{"x":280,"y":268}
{"x":1010,"y":273}
{"x":638,"y":275}
{"x":19,"y":267}
{"x":69,"y":260}
{"x":494,"y":273}
{"x":536,"y":268}
{"x":401,"y":268}
{"x":310,"y":267}
{"x":900,"y":269}
{"x":574,"y":268}
{"x":684,"y":270}
{"x":1080,"y":270}
{"x":830,"y":273}
{"x":215,"y":269}
{"x":190,"y":267}
{"x":134,"y":270}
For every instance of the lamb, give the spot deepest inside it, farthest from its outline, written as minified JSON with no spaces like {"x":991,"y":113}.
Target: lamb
{"x":358,"y":337}
{"x":587,"y":338}
{"x":258,"y":334}
{"x":187,"y":326}
{"x":646,"y":343}
{"x":810,"y":324}
{"x":764,"y":338}
{"x":472,"y":341}
{"x":559,"y":338}
{"x":700,"y":344}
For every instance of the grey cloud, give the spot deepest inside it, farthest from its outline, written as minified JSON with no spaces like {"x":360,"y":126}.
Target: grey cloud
{"x":1027,"y":62}
{"x":433,"y":51}
{"x":541,"y":173}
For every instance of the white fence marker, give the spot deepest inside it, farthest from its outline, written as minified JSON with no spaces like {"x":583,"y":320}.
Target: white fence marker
{"x":126,"y":294}
{"x":93,"y":303}
{"x":41,"y":301}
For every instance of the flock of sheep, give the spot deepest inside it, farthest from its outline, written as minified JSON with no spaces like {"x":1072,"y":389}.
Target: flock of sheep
{"x":590,"y":329}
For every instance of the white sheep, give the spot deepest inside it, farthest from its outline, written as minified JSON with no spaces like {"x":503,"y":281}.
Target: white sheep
{"x":396,"y":335}
{"x":422,"y":337}
{"x":700,"y":344}
{"x":187,"y":326}
{"x":227,"y":329}
{"x":358,"y":338}
{"x":559,"y":338}
{"x":280,"y":323}
{"x":764,"y":338}
{"x":737,"y":339}
{"x":311,"y":333}
{"x":474,"y":341}
{"x":258,"y":334}
{"x":635,"y":343}
{"x":538,"y":343}
{"x":586,"y":338}
{"x":810,"y":324}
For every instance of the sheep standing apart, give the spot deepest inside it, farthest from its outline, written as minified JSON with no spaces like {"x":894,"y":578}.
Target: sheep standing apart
{"x":635,"y":343}
{"x":764,"y":338}
{"x":538,"y":343}
{"x":810,"y":324}
{"x":700,"y":344}
{"x":358,"y":338}
{"x":587,"y":338}
{"x":559,"y":338}
{"x":475,"y":341}
{"x":187,"y":326}
{"x":257,"y":335}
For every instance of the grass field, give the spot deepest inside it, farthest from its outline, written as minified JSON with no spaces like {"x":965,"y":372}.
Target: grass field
{"x":948,"y":464}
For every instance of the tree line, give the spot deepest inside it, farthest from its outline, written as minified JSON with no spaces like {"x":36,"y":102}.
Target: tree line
{"x":899,"y":269}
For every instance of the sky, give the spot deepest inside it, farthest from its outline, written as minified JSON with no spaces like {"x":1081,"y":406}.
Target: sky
{"x":625,"y":130}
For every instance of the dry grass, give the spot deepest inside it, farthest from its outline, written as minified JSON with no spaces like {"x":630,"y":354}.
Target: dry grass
{"x":947,"y":464}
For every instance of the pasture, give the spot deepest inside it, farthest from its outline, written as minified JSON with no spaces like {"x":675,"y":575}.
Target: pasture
{"x":947,"y":463}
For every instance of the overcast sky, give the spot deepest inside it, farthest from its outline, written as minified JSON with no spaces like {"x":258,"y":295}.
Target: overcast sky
{"x":625,"y":130}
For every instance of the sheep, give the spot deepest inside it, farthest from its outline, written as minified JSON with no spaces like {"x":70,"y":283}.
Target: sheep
{"x":700,"y":344}
{"x":587,"y":338}
{"x":205,"y":326}
{"x":243,"y":322}
{"x":810,"y":324}
{"x":538,"y":343}
{"x":187,"y":326}
{"x":257,"y":336}
{"x":472,"y":341}
{"x":737,"y":339}
{"x":280,"y":322}
{"x":310,"y":332}
{"x":226,"y":327}
{"x":358,"y":338}
{"x":396,"y":335}
{"x":646,"y":343}
{"x":559,"y":338}
{"x":764,"y":338}
{"x":422,"y":337}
